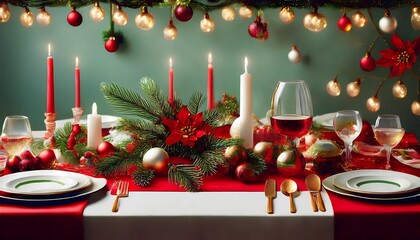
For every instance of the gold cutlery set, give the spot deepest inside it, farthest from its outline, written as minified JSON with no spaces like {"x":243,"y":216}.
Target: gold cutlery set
{"x":289,"y":187}
{"x":122,"y":191}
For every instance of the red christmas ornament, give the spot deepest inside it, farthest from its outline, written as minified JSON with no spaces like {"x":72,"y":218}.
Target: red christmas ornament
{"x":290,"y":163}
{"x":245,"y":173}
{"x":257,"y":29}
{"x":183,"y":13}
{"x":368,"y":63}
{"x":344,"y":23}
{"x":105,"y":149}
{"x":46,"y":159}
{"x":74,"y":18}
{"x":111,"y":45}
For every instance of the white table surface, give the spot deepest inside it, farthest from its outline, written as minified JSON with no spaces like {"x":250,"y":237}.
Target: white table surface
{"x":205,"y":215}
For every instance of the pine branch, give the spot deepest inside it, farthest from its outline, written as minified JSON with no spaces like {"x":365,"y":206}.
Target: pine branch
{"x":258,"y":164}
{"x":141,"y":128}
{"x":208,"y":161}
{"x":156,"y":98}
{"x":196,"y":101}
{"x":212,"y":117}
{"x":115,"y":165}
{"x":186,"y":176}
{"x":143,"y":176}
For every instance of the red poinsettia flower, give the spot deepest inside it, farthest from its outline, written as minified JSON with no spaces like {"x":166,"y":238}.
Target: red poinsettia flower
{"x":187,"y":128}
{"x":400,"y":59}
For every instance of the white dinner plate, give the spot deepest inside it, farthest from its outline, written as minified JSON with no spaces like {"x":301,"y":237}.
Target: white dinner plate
{"x":326,"y":120}
{"x":43,"y":182}
{"x":97,"y":184}
{"x":408,"y":158}
{"x":376,"y":182}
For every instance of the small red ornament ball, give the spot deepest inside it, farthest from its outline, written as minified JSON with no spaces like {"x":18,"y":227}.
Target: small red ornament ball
{"x":245,"y":173}
{"x":46,"y":158}
{"x":105,"y":149}
{"x":368,"y":63}
{"x":183,"y":13}
{"x":111,"y":45}
{"x":344,"y":23}
{"x":74,"y":18}
{"x":257,"y":29}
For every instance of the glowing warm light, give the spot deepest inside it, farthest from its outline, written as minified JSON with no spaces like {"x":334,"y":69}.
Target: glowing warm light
{"x":245,"y":12}
{"x":144,"y":20}
{"x":170,"y":31}
{"x":415,"y":18}
{"x":333,"y":88}
{"x":315,"y":21}
{"x":373,"y":104}
{"x":228,"y":13}
{"x":399,"y":90}
{"x":4,"y":12}
{"x":120,"y":17}
{"x":26,"y":18}
{"x":43,"y":17}
{"x":415,"y":107}
{"x":359,"y":19}
{"x":207,"y":24}
{"x":287,"y":15}
{"x":97,"y":13}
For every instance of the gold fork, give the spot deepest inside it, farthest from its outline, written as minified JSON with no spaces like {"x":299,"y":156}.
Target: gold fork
{"x":122,"y":191}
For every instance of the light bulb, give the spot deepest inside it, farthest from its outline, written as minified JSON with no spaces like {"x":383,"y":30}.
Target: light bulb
{"x":359,"y":19}
{"x":43,"y":17}
{"x":228,"y":13}
{"x":144,"y":20}
{"x":399,"y":90}
{"x":207,"y":24}
{"x":294,"y":55}
{"x":287,"y":15}
{"x":245,"y":12}
{"x":334,"y":88}
{"x":373,"y":104}
{"x":353,"y":88}
{"x":388,"y":23}
{"x":315,"y":21}
{"x":97,"y":13}
{"x":415,"y":18}
{"x":415,"y":107}
{"x":26,"y":18}
{"x":120,"y":17}
{"x":4,"y":12}
{"x":170,"y":31}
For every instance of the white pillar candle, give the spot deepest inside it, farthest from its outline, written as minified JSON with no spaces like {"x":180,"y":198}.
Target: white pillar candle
{"x":246,"y":131}
{"x":94,"y":128}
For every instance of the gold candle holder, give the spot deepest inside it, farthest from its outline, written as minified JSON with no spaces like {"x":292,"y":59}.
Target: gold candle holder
{"x":77,"y":114}
{"x":49,"y":125}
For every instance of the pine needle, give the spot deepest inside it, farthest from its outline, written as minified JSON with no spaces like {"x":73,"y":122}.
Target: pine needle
{"x":186,"y":176}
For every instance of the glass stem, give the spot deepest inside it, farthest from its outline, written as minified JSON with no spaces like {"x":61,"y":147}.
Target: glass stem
{"x":388,"y":158}
{"x":348,"y":152}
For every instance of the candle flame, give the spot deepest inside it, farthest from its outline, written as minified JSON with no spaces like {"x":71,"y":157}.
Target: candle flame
{"x":49,"y":49}
{"x":77,"y":61}
{"x":94,"y":108}
{"x":170,"y":62}
{"x":246,"y":64}
{"x":210,"y":59}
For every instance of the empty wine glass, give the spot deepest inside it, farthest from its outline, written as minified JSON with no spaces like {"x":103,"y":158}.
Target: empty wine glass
{"x":388,"y":133}
{"x":348,"y":125}
{"x":16,"y":134}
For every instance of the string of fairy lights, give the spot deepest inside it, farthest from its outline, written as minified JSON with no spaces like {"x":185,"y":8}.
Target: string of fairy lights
{"x":183,"y":10}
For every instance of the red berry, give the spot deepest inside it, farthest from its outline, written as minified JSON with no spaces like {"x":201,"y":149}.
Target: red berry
{"x":76,"y":129}
{"x":131,"y":147}
{"x":88,"y":154}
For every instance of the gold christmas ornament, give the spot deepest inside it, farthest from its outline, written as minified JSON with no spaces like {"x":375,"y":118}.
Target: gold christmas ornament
{"x":353,"y":88}
{"x":359,"y":19}
{"x":399,"y":90}
{"x":315,"y":21}
{"x":228,"y":13}
{"x":4,"y":12}
{"x":388,"y":23}
{"x":334,"y":88}
{"x":43,"y":17}
{"x":120,"y":17}
{"x":157,"y":159}
{"x":287,"y":15}
{"x":97,"y":13}
{"x":245,"y":12}
{"x":264,"y":150}
{"x":170,"y":31}
{"x":415,"y":18}
{"x":207,"y":24}
{"x":415,"y":107}
{"x":26,"y":18}
{"x":373,"y":104}
{"x":144,"y":20}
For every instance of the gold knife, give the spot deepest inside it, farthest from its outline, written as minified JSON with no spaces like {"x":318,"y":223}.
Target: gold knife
{"x":270,"y":193}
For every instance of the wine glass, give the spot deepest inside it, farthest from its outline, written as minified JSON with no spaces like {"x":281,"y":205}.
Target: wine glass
{"x":348,"y":125}
{"x":388,"y":133}
{"x":16,"y":135}
{"x":291,"y":110}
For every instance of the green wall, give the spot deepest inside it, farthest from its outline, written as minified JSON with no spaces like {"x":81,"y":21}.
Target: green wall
{"x":23,"y":54}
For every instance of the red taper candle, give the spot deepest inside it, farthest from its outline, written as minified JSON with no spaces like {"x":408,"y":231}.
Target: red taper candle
{"x":50,"y":82}
{"x":77,"y":84}
{"x":171,"y":82}
{"x":210,"y":93}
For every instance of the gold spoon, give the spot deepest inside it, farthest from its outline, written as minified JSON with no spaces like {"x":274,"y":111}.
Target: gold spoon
{"x":313,"y":182}
{"x":288,"y":187}
{"x":312,"y":190}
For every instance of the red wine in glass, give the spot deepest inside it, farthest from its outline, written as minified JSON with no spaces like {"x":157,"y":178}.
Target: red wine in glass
{"x":292,"y":125}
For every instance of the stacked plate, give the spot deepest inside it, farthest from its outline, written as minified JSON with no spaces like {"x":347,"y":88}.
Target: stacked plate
{"x":374,"y":184}
{"x":47,"y":186}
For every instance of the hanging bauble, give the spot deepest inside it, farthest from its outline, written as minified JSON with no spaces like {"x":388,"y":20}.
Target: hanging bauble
{"x":344,"y":23}
{"x":399,"y":90}
{"x":415,"y":18}
{"x":170,"y":31}
{"x":245,"y":12}
{"x":315,"y":21}
{"x":245,"y":173}
{"x":235,"y":128}
{"x":368,"y":63}
{"x":120,"y":17}
{"x":183,"y":12}
{"x":265,"y":34}
{"x":105,"y":149}
{"x":228,"y":13}
{"x":388,"y":23}
{"x":373,"y":104}
{"x":353,"y":88}
{"x":4,"y":12}
{"x":74,"y":18}
{"x":287,"y":15}
{"x":415,"y":107}
{"x":43,"y":17}
{"x":157,"y":159}
{"x":97,"y":13}
{"x":111,"y":45}
{"x":27,"y":18}
{"x":290,"y":163}
{"x":207,"y":24}
{"x":359,"y":19}
{"x":144,"y":20}
{"x":333,"y":88}
{"x":256,"y":28}
{"x":294,"y":55}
